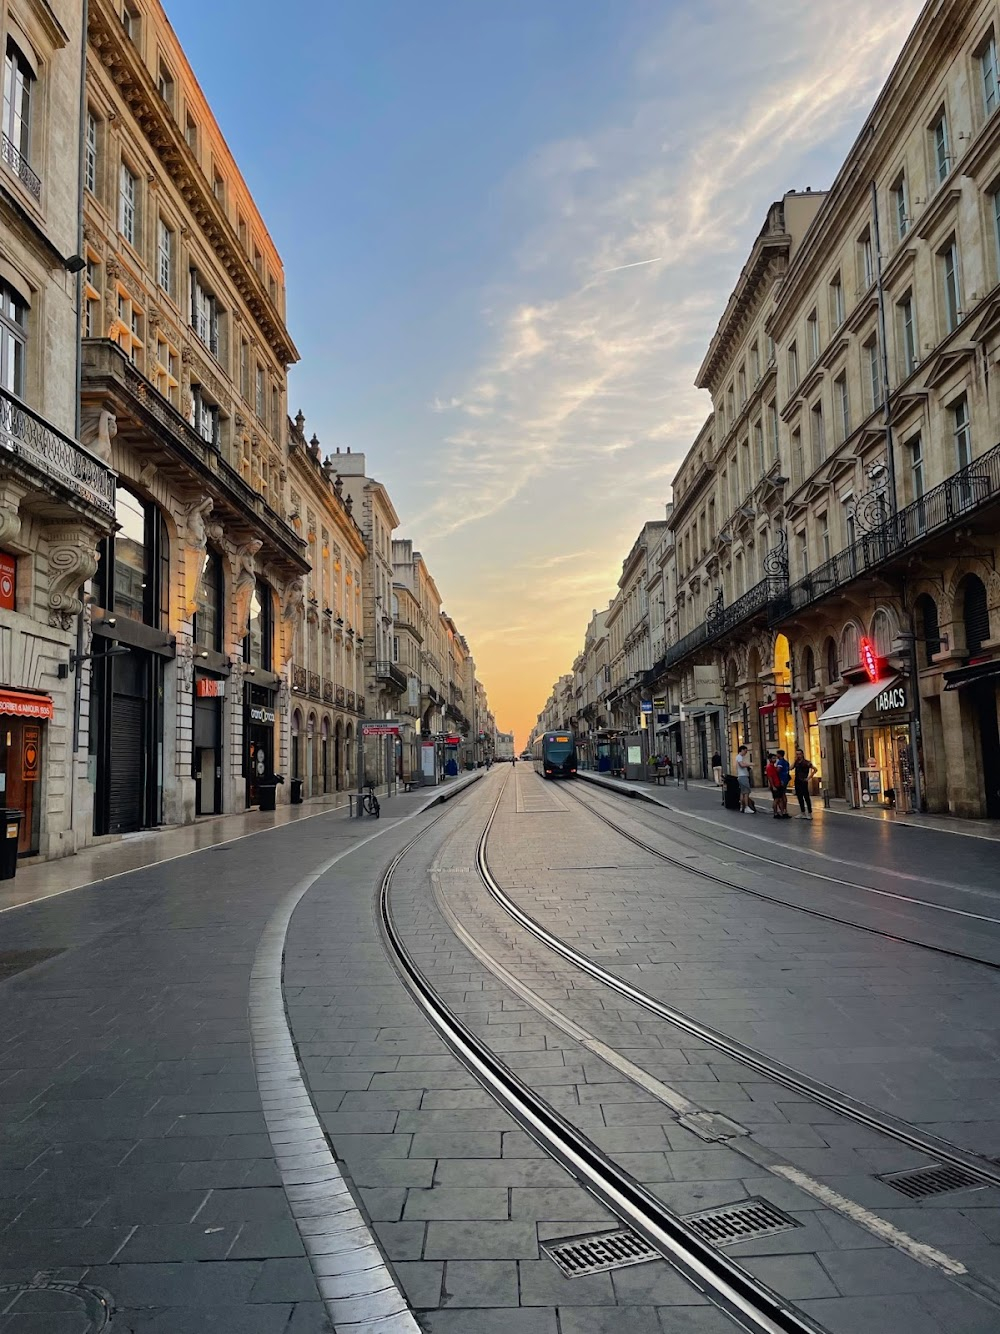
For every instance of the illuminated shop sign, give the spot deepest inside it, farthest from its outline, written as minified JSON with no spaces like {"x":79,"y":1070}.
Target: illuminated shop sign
{"x":891,"y":700}
{"x":869,"y":659}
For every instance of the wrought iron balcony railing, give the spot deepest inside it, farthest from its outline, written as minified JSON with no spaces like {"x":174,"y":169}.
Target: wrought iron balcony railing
{"x":18,"y":163}
{"x":955,"y":498}
{"x":391,"y":674}
{"x":30,"y":437}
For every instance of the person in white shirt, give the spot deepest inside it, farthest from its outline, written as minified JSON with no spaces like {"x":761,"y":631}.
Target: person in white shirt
{"x":743,"y":777}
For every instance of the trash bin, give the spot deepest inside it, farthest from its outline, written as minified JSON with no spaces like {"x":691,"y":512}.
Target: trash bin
{"x":296,"y":792}
{"x":731,"y":792}
{"x":267,"y":796}
{"x":8,"y":848}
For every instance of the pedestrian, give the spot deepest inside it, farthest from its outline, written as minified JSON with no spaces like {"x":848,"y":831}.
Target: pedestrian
{"x":773,"y":780}
{"x":803,"y":770}
{"x":743,"y":777}
{"x":784,"y":775}
{"x":717,"y":768}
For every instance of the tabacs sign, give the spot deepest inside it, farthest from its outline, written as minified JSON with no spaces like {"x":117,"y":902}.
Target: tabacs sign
{"x":891,"y":700}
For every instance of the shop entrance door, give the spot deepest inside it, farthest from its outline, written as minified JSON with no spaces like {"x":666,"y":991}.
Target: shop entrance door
{"x":20,"y":762}
{"x":125,"y":769}
{"x":985,"y":703}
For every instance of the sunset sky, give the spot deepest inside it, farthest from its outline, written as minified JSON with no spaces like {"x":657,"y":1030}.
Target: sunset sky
{"x":509,"y":228}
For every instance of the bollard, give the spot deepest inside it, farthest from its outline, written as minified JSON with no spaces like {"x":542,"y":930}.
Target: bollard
{"x":826,"y":800}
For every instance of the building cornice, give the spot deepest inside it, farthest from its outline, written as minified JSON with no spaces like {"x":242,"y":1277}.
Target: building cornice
{"x":111,"y":46}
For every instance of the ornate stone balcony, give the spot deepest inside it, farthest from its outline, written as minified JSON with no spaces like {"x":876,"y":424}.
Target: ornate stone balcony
{"x":55,"y":458}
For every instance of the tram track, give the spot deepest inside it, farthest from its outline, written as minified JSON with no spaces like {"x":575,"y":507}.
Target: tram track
{"x":762,"y":895}
{"x":754,"y":1306}
{"x":825,"y":1095}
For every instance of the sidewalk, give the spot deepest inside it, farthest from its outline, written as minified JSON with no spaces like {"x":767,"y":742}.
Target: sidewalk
{"x":113,"y":857}
{"x":945,"y":824}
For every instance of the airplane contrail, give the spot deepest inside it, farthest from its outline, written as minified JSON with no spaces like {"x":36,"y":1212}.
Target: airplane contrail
{"x":637,"y":264}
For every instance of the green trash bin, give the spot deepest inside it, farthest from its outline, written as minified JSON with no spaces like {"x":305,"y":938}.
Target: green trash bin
{"x":11,"y":833}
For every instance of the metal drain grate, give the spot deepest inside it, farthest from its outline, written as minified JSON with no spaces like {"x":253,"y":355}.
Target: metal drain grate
{"x":737,"y":1222}
{"x":595,"y":1254}
{"x":938,"y":1179}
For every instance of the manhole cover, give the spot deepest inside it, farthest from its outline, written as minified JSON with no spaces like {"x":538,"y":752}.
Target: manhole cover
{"x":74,"y":1307}
{"x":16,"y":961}
{"x":595,"y":1254}
{"x":737,"y":1222}
{"x":938,"y":1179}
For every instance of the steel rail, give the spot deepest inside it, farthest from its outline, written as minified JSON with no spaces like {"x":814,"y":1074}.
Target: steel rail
{"x":748,"y":1301}
{"x":825,"y":1094}
{"x":801,"y":907}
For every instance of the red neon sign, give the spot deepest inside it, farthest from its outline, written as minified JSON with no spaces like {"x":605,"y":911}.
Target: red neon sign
{"x":869,"y":659}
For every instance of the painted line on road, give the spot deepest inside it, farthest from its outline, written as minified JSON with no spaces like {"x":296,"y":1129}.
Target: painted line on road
{"x":357,"y":1287}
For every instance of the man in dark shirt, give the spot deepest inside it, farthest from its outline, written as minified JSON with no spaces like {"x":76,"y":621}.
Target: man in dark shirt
{"x":803,"y":770}
{"x":784,"y":774}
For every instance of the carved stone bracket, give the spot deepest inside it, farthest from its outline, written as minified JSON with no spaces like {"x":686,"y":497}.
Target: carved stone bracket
{"x":72,"y":559}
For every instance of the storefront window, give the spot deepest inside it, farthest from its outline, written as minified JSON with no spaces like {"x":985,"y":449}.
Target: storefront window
{"x":133,"y":575}
{"x":208,"y":618}
{"x":257,"y":646}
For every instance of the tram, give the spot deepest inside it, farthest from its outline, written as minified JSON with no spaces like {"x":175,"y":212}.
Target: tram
{"x":554,"y":754}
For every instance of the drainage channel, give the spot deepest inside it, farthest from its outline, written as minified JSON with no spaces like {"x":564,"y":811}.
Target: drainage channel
{"x":753,"y":1305}
{"x":824,"y":1094}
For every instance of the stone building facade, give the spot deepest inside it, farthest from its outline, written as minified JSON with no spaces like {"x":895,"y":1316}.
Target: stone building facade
{"x":184,"y":364}
{"x":57,"y":497}
{"x":325,"y":674}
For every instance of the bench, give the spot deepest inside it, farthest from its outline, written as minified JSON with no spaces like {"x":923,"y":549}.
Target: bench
{"x":409,"y":784}
{"x":661,"y":776}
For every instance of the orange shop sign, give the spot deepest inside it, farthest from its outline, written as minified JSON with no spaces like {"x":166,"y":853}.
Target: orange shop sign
{"x":22,"y":704}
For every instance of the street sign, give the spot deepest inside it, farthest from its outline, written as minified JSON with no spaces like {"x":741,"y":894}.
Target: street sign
{"x":646,"y":705}
{"x":381,"y":727}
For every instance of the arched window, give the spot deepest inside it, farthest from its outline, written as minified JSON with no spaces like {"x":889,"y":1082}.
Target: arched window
{"x":975,"y":614}
{"x":809,"y":669}
{"x":849,"y":651}
{"x":257,"y":645}
{"x":928,"y":634}
{"x":832,"y":662}
{"x":881,"y":632}
{"x":133,"y":577}
{"x":208,"y":618}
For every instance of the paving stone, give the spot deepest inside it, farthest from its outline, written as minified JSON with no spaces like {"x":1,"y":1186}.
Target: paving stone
{"x":454,"y":1203}
{"x":481,"y":1241}
{"x":501,"y":1321}
{"x":543,"y":1284}
{"x":879,"y":1272}
{"x":485,"y":1144}
{"x":605,"y":1320}
{"x":289,"y":1280}
{"x":794,"y":1276}
{"x":421,"y":1280}
{"x":480,"y":1283}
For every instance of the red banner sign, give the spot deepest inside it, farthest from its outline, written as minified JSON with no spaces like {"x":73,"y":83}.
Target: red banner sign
{"x":208,"y":687}
{"x":8,"y":581}
{"x":20,"y":704}
{"x":387,"y":728}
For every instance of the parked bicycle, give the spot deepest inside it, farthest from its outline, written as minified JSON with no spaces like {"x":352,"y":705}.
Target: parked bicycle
{"x":370,"y":804}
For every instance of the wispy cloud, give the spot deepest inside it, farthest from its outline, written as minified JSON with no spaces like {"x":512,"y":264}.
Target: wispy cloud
{"x":585,"y":402}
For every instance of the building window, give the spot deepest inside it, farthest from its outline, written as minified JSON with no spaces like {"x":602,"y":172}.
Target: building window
{"x":167,"y":370}
{"x":205,"y":416}
{"x":793,"y":367}
{"x":866,"y":260}
{"x":127,"y":331}
{"x":798,"y":471}
{"x":259,"y":394}
{"x":988,"y":73}
{"x":208,"y":620}
{"x":244,"y":368}
{"x":842,"y":403}
{"x":873,"y":374}
{"x":165,"y":84}
{"x":823,"y":523}
{"x":18,"y":80}
{"x":812,"y":332}
{"x":395,"y":648}
{"x":900,"y":207}
{"x":818,"y":432}
{"x":13,"y":339}
{"x":130,"y":20}
{"x":135,"y":561}
{"x":758,"y":445}
{"x":941,"y":148}
{"x":907,"y":335}
{"x":243,"y":233}
{"x":191,"y":133}
{"x":962,"y":432}
{"x":772,"y":417}
{"x":258,"y":641}
{"x":219,"y":188}
{"x":803,"y":545}
{"x":950,"y":282}
{"x":90,"y":154}
{"x":741,"y":380}
{"x":836,"y":302}
{"x":165,"y":257}
{"x":755,"y":362}
{"x":204,"y":313}
{"x":275,"y":411}
{"x":91,"y":298}
{"x":258,"y":262}
{"x":127,"y":195}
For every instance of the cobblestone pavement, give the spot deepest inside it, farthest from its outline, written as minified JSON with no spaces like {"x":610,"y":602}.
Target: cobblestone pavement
{"x":134,"y":1148}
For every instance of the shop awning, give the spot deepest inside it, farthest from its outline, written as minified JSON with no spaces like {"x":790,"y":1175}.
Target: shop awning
{"x":968,"y":676}
{"x":22,"y":704}
{"x":847,"y":709}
